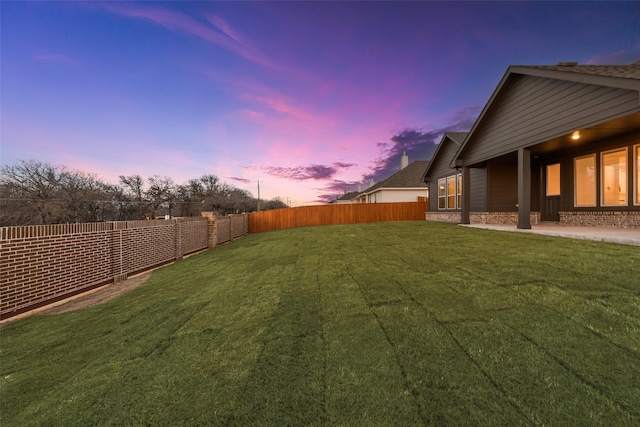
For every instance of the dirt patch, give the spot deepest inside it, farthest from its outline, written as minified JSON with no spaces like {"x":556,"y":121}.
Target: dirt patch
{"x":98,"y":296}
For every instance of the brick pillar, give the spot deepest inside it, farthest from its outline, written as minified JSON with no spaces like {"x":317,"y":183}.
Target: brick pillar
{"x":178,"y":238}
{"x":213,"y":228}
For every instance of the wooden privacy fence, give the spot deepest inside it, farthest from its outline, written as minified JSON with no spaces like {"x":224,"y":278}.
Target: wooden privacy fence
{"x":304,"y":216}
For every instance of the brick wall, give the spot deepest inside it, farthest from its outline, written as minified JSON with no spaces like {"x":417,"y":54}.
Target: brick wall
{"x":602,"y":219}
{"x":42,"y":264}
{"x":455,"y":217}
{"x":223,"y":231}
{"x":503,"y":218}
{"x":623,"y":219}
{"x":231,"y":226}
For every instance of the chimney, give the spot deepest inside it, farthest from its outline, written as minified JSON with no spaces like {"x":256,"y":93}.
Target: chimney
{"x":404,"y":161}
{"x":359,"y":188}
{"x":371,"y":183}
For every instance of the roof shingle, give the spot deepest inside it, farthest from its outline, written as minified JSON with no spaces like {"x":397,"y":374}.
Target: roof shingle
{"x":630,"y":71}
{"x":409,"y":177}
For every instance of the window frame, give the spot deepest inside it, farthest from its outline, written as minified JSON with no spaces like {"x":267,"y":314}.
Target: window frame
{"x":459,"y":191}
{"x":548,"y":182}
{"x":602,"y":176}
{"x":636,"y":175}
{"x":595,"y":181}
{"x":453,"y":195}
{"x":442,"y":195}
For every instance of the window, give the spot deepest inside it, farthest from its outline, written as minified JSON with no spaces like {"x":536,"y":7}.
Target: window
{"x":585,"y":180}
{"x":553,"y":179}
{"x":614,"y":178}
{"x":451,"y":192}
{"x":441,"y":193}
{"x":459,"y":191}
{"x":636,"y":183}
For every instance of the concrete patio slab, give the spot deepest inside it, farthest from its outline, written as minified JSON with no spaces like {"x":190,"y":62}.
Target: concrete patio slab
{"x":623,"y":236}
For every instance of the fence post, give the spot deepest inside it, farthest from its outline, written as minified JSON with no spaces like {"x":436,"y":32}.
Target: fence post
{"x":212,"y":229}
{"x":230,"y":227}
{"x":117,"y":251}
{"x":178,"y":238}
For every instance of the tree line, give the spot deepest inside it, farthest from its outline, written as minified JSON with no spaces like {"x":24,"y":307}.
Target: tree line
{"x":34,"y":192}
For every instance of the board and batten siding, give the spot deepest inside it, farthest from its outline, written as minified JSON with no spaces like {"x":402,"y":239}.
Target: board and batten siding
{"x":440,"y":167}
{"x":478,"y":188}
{"x":502,"y":177}
{"x":535,"y":109}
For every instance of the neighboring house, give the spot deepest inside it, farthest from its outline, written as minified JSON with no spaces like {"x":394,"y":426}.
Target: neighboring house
{"x":405,"y":185}
{"x":346,"y":198}
{"x":444,"y":180}
{"x":556,"y":143}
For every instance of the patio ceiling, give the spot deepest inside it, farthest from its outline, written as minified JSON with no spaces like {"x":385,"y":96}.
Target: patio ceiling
{"x":612,"y":128}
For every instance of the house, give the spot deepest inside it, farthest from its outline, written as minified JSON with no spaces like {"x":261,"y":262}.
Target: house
{"x":346,"y":198}
{"x":555,"y":144}
{"x":406,"y":185}
{"x":444,"y":181}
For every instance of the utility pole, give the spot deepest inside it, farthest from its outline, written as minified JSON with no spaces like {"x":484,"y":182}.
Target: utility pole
{"x":258,"y":196}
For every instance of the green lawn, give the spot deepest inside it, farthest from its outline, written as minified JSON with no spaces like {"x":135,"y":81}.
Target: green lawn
{"x":387,"y":324}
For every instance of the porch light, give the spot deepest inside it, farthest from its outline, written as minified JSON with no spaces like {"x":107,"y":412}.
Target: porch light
{"x":575,"y":135}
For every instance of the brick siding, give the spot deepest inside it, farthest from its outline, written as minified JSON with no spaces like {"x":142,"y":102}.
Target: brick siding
{"x":502,"y":218}
{"x":624,"y":219}
{"x":45,"y":263}
{"x":455,"y":217}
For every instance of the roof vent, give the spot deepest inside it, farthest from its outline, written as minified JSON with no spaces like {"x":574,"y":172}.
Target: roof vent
{"x":567,"y":64}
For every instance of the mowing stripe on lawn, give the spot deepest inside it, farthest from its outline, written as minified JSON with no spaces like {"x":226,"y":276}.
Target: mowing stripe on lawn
{"x":408,"y":323}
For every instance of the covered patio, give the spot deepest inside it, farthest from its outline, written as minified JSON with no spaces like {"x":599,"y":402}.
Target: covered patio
{"x":623,"y":236}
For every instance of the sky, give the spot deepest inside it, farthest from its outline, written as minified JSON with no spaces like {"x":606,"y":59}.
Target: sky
{"x":310,"y":99}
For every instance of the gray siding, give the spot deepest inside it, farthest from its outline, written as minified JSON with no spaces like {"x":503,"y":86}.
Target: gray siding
{"x":478,"y":188}
{"x":502,"y":177}
{"x":440,"y":166}
{"x":534,"y":109}
{"x":433,"y":196}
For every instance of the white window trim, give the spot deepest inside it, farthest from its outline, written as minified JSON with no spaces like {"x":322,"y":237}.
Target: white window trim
{"x":602,"y":154}
{"x":595,"y":181}
{"x":459,"y":191}
{"x":454,"y":178}
{"x":443,"y":196}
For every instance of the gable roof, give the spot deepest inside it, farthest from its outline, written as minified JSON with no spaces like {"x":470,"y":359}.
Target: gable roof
{"x":630,"y":71}
{"x":409,"y":177}
{"x":455,"y":138}
{"x":616,"y":76}
{"x":349,"y":196}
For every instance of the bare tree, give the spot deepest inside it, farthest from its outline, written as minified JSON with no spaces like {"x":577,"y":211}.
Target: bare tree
{"x":161,"y":193}
{"x":30,"y":193}
{"x":35,"y":192}
{"x":133,"y":188}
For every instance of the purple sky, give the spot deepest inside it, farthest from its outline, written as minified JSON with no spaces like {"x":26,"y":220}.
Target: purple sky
{"x":308,"y":98}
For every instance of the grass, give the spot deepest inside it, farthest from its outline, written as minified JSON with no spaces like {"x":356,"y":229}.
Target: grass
{"x":407,"y":323}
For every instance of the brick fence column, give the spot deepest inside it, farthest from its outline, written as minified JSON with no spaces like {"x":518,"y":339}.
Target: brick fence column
{"x":177,"y":223}
{"x":212,"y":229}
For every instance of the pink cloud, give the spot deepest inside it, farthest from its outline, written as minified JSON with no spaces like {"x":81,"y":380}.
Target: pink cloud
{"x":219,"y":33}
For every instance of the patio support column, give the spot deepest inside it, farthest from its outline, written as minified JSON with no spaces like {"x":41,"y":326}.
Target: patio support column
{"x":524,"y":188}
{"x":466,"y":195}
